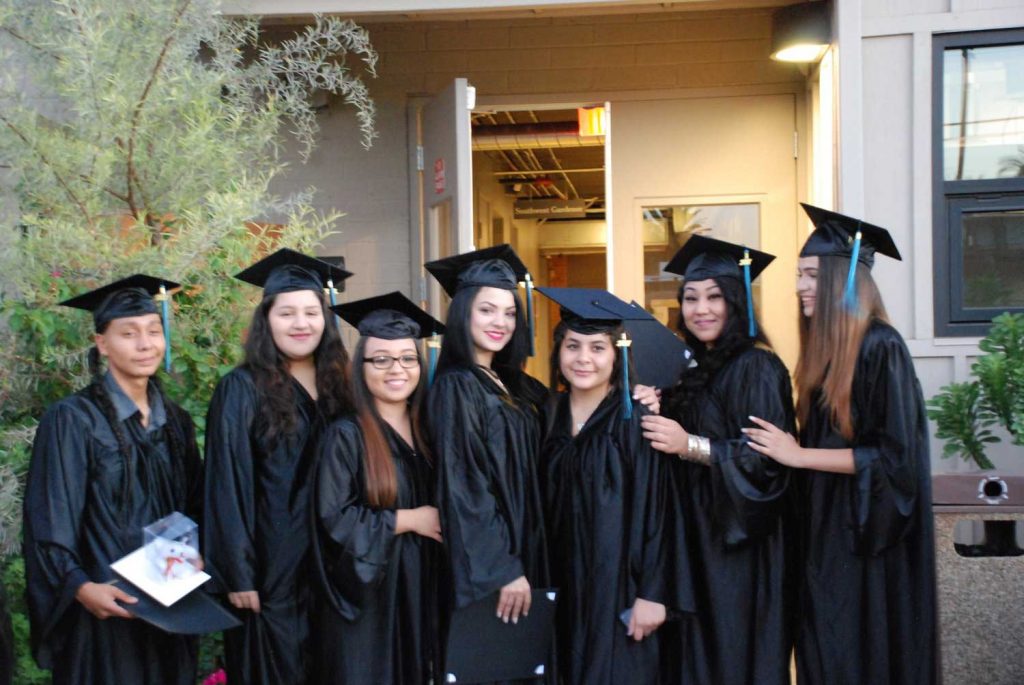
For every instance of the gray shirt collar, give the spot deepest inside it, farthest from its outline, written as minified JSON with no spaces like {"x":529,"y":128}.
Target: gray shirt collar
{"x":126,"y":407}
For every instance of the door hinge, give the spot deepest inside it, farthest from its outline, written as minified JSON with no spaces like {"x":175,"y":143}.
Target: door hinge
{"x":796,"y":145}
{"x":419,"y":158}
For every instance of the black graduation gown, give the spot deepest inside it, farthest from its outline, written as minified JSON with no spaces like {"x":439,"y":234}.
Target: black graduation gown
{"x":734,"y":512}
{"x":605,"y":500}
{"x":6,"y":640}
{"x":375,"y":622}
{"x":77,"y":523}
{"x":867,"y":594}
{"x":485,"y":443}
{"x":256,"y":533}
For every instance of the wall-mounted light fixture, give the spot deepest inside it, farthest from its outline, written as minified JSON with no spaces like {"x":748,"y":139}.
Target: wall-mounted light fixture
{"x":802,"y":32}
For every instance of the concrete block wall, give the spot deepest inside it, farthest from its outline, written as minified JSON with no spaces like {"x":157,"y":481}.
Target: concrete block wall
{"x":570,"y":55}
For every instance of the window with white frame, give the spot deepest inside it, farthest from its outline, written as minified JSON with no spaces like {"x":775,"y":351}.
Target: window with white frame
{"x":978,"y":115}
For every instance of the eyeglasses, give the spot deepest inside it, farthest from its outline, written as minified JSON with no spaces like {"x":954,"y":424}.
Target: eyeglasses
{"x":383,"y":362}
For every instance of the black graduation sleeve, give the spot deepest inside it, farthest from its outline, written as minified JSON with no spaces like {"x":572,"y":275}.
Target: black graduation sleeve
{"x":54,"y":502}
{"x":891,"y":443}
{"x":6,"y":640}
{"x":475,"y":530}
{"x":229,"y":512}
{"x":749,"y":488}
{"x":193,"y":464}
{"x":353,"y":541}
{"x":651,"y":561}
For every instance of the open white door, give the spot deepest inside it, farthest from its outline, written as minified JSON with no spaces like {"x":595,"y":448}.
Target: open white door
{"x":443,"y":165}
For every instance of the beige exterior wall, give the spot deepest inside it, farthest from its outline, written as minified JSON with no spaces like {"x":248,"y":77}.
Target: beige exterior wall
{"x":661,"y":55}
{"x":892,"y":160}
{"x":580,"y":55}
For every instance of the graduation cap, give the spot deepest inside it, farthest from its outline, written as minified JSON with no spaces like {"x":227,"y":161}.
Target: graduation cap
{"x":659,"y":355}
{"x":287,"y":270}
{"x":195,"y":614}
{"x":391,"y":316}
{"x":592,"y":310}
{"x":483,"y":648}
{"x":494,"y":267}
{"x":837,"y":235}
{"x":701,"y":258}
{"x":136,"y":295}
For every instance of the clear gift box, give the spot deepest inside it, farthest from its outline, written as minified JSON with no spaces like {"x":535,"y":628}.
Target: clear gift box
{"x":172,"y":547}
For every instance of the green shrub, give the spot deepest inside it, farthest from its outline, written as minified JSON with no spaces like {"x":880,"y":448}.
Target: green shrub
{"x":965,"y":412}
{"x":144,"y":136}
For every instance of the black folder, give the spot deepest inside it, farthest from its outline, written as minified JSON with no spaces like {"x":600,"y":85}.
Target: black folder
{"x":483,"y":648}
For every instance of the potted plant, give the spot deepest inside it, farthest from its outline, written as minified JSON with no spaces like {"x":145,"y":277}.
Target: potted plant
{"x":965,"y":414}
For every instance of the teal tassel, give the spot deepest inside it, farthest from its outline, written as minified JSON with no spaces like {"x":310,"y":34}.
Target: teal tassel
{"x":745,"y":263}
{"x":433,"y":345}
{"x":165,"y":309}
{"x":627,"y":400}
{"x":850,"y":295}
{"x":331,"y":297}
{"x":529,"y":311}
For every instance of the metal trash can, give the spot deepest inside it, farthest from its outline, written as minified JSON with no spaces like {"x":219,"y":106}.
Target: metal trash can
{"x":979,"y":557}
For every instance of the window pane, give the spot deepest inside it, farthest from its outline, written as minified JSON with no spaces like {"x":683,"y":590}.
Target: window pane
{"x":666,"y":228}
{"x":983,"y":112}
{"x":993,"y":249}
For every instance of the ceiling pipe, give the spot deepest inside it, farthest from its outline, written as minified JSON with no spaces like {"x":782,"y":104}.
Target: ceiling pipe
{"x":538,"y":136}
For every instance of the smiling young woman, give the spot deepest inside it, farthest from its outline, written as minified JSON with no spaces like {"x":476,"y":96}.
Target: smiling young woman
{"x":863,"y":485}
{"x":262,"y":427}
{"x":484,"y":413}
{"x":376,"y":542}
{"x":605,"y":492}
{"x":730,"y":498}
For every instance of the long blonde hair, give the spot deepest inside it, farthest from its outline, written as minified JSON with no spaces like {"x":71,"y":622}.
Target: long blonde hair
{"x":830,"y":340}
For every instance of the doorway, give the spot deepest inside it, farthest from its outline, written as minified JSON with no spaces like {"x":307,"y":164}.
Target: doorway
{"x":539,"y":184}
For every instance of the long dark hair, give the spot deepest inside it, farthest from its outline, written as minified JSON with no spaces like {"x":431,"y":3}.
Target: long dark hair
{"x":381,"y":477}
{"x":97,"y":392}
{"x":457,"y":349}
{"x":732,"y":341}
{"x":830,"y":340}
{"x":269,"y":369}
{"x":559,"y":382}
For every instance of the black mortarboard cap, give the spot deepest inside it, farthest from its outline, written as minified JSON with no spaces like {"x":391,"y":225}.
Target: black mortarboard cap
{"x":592,"y":310}
{"x":483,"y":648}
{"x":194,"y":614}
{"x":392,"y":316}
{"x":659,"y":355}
{"x":701,"y":258}
{"x":131,"y":296}
{"x":835,"y":234}
{"x":496,"y":267}
{"x":287,"y":270}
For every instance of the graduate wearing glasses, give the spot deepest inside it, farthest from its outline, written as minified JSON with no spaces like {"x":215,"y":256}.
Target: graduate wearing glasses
{"x":106,"y":462}
{"x":377,"y":535}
